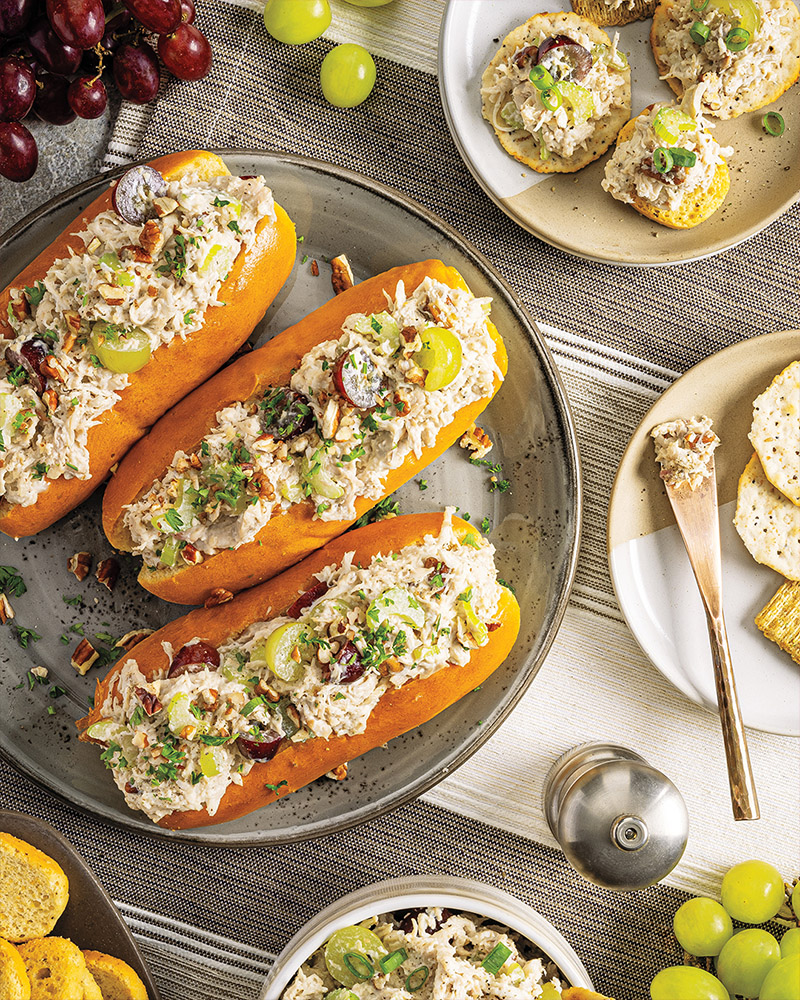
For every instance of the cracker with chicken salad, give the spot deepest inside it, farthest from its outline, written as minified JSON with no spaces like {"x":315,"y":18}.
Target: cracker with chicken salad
{"x":775,"y":433}
{"x":668,"y":167}
{"x":557,"y":92}
{"x":614,"y":13}
{"x":744,"y":53}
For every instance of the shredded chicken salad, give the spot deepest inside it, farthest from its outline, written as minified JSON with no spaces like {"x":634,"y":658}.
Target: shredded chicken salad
{"x":727,"y":74}
{"x":426,"y":954}
{"x":357,"y":406}
{"x":562,"y":119}
{"x":631,"y":171}
{"x":99,"y":313}
{"x":684,"y":450}
{"x":178,"y":741}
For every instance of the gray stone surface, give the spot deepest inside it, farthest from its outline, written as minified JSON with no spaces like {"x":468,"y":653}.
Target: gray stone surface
{"x":67,"y":155}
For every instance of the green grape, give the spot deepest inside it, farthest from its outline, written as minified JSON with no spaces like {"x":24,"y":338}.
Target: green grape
{"x":687,"y":983}
{"x":296,"y":22}
{"x":746,"y":959}
{"x":347,"y":75}
{"x":790,"y":942}
{"x":796,"y":900}
{"x":278,"y":650}
{"x":782,"y":982}
{"x":439,"y":357}
{"x":345,"y":944}
{"x":752,"y":891}
{"x":369,"y":3}
{"x":702,"y":926}
{"x":121,"y":352}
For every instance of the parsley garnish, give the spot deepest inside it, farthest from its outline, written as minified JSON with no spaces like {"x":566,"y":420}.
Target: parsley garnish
{"x":25,"y":636}
{"x":76,"y":602}
{"x":388,"y":507}
{"x":486,"y":526}
{"x":17,"y":376}
{"x":187,"y":316}
{"x":36,"y":294}
{"x":137,"y":718}
{"x":274,"y":788}
{"x":233,"y":225}
{"x":11,"y":582}
{"x":39,"y":470}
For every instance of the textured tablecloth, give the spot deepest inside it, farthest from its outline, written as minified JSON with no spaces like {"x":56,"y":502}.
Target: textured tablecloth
{"x":613,"y":334}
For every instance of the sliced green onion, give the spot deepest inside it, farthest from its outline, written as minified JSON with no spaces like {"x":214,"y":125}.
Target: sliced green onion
{"x":541,"y":78}
{"x":391,"y":962}
{"x":417,"y":979}
{"x":683,"y":157}
{"x":737,"y":39}
{"x":496,"y":958}
{"x":773,"y":123}
{"x":551,"y":99}
{"x":699,"y":32}
{"x":367,"y":969}
{"x":662,"y":160}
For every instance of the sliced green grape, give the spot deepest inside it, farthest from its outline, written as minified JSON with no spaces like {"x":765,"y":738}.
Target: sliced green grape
{"x":549,"y":992}
{"x":211,"y":760}
{"x":790,"y":942}
{"x":439,"y":357}
{"x":122,"y":353}
{"x":745,"y":11}
{"x":702,"y":926}
{"x":687,"y":983}
{"x":782,"y":982}
{"x":347,"y":75}
{"x":397,"y":602}
{"x":796,"y":900}
{"x":180,"y":715}
{"x":296,"y":22}
{"x":752,"y":891}
{"x":349,"y":941}
{"x":579,"y":99}
{"x":278,"y":649}
{"x":104,"y":731}
{"x":217,"y":257}
{"x":382,"y":327}
{"x":745,"y":960}
{"x":341,"y":994}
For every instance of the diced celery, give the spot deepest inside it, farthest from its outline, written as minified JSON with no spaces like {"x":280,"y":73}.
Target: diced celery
{"x":169,"y":552}
{"x":318,"y":479}
{"x":670,"y":122}
{"x":511,"y":116}
{"x":179,"y":715}
{"x":104,"y":731}
{"x":513,"y":971}
{"x":476,"y":627}
{"x":397,"y":602}
{"x":579,"y":99}
{"x":111,"y":260}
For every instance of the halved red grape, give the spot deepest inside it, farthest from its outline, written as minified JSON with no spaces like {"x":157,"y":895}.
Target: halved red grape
{"x":578,"y":58}
{"x":188,"y":12}
{"x":307,"y":599}
{"x":134,"y":192}
{"x":348,"y":665}
{"x":19,"y":155}
{"x":136,"y":72}
{"x":285,"y":413}
{"x":357,"y":378}
{"x":87,"y":96}
{"x":51,"y":103}
{"x":17,"y":89}
{"x":193,"y":657}
{"x":30,"y":355}
{"x":160,"y":16}
{"x":15,"y":16}
{"x":261,"y":749}
{"x":186,"y":52}
{"x":80,"y":23}
{"x":54,"y":55}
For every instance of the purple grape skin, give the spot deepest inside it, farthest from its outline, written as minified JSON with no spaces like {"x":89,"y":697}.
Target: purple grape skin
{"x":260,"y":750}
{"x":132,"y":199}
{"x":17,"y":89}
{"x":186,"y":53}
{"x":52,"y":53}
{"x":136,"y":72}
{"x":19,"y":156}
{"x":349,"y":662}
{"x":160,"y":16}
{"x":15,"y":16}
{"x":87,"y":97}
{"x":79,"y":23}
{"x":51,"y":103}
{"x":31,"y":356}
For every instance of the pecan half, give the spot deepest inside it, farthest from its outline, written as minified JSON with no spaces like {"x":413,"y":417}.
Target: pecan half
{"x":20,"y":309}
{"x":84,"y":656}
{"x":191,"y":555}
{"x":53,"y":368}
{"x":341,"y":274}
{"x":107,"y":572}
{"x":150,"y":703}
{"x":133,"y":638}
{"x":79,"y":564}
{"x":6,"y":611}
{"x":138,"y":254}
{"x":338,"y":773}
{"x":50,"y":399}
{"x":476,"y":440}
{"x":218,"y":596}
{"x":150,"y":238}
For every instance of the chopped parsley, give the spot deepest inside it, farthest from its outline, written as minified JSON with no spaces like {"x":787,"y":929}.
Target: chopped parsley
{"x":39,"y":470}
{"x":233,"y":225}
{"x":11,"y":582}
{"x":187,"y":316}
{"x":137,"y":718}
{"x":25,"y":636}
{"x":36,"y":294}
{"x":486,"y":525}
{"x":17,"y":376}
{"x":274,"y":788}
{"x":388,"y":507}
{"x":75,"y":602}
{"x":422,"y":483}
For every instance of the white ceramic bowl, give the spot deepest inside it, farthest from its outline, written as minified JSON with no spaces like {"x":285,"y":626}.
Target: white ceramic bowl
{"x":399,"y":894}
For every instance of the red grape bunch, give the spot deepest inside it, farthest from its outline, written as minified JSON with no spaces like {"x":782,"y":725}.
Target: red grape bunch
{"x":54,"y":55}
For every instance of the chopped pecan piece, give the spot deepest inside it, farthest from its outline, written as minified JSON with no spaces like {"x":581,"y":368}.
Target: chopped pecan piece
{"x":262,"y":487}
{"x":52,"y":368}
{"x":315,"y":268}
{"x":84,"y":656}
{"x":114,"y":296}
{"x":267,"y":692}
{"x":492,"y":626}
{"x":191,"y":555}
{"x":401,"y":401}
{"x":476,"y":440}
{"x":150,"y":238}
{"x":20,"y":309}
{"x":133,"y":638}
{"x":73,"y":321}
{"x":152,"y":291}
{"x":79,"y":564}
{"x":164,"y":206}
{"x":6,"y":611}
{"x":409,"y":334}
{"x":416,"y":376}
{"x":330,"y":418}
{"x":50,"y":399}
{"x":107,"y":572}
{"x":188,"y":732}
{"x":138,"y":254}
{"x":150,"y":703}
{"x":40,"y":672}
{"x":338,"y":773}
{"x":69,"y":341}
{"x":341,"y":274}
{"x":194,"y":461}
{"x":218,"y":596}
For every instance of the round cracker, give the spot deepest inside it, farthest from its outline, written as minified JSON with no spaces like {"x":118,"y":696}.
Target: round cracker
{"x":768,"y":523}
{"x":694,"y":209}
{"x":760,"y":91}
{"x":521,"y":144}
{"x":775,"y":433}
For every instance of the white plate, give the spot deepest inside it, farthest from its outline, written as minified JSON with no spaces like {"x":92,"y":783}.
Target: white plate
{"x":571,"y":211}
{"x":649,"y":566}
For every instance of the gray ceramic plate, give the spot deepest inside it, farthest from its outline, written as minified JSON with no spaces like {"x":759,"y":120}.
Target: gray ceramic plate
{"x":535,"y":525}
{"x":91,"y":921}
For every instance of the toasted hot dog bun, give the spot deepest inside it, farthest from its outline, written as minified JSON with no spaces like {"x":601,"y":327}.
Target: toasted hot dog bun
{"x":398,"y":711}
{"x":174,"y":369}
{"x":293,"y":534}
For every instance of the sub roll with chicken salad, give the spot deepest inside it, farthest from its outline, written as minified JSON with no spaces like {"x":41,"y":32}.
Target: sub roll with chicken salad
{"x":287,"y":447}
{"x":139,"y":300}
{"x":557,"y":92}
{"x":224,"y":710}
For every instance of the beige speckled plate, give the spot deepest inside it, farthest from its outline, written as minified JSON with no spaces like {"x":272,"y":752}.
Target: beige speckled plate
{"x":571,"y":211}
{"x":649,"y":566}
